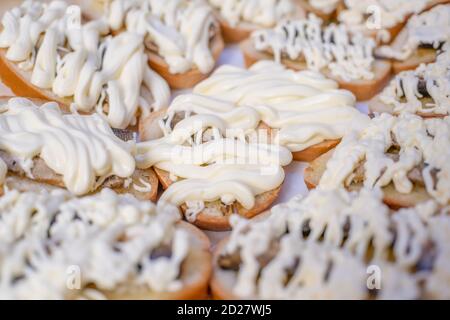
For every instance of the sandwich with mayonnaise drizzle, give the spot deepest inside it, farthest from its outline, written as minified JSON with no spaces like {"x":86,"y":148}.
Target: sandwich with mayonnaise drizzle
{"x":381,"y":19}
{"x":305,"y":111}
{"x":424,"y":91}
{"x":239,"y":18}
{"x":407,"y":156}
{"x":41,"y":147}
{"x":325,"y":9}
{"x":420,"y":40}
{"x":104,"y":246}
{"x":182,"y":37}
{"x":49,"y":52}
{"x":336,"y":245}
{"x":332,"y":49}
{"x":211,"y":166}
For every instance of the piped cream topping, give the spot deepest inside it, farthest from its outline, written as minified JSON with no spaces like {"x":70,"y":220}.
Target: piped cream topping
{"x":306,"y":107}
{"x":318,"y":247}
{"x":82,"y":149}
{"x":180,"y":30}
{"x":264,"y":13}
{"x":108,"y":239}
{"x":100,"y":72}
{"x":410,"y":91}
{"x":422,"y":144}
{"x":348,"y":57}
{"x":428,"y":28}
{"x":213,"y":164}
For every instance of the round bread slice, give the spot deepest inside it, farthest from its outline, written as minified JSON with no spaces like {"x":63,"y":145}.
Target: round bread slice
{"x":362,"y":89}
{"x":192,"y":77}
{"x":44,"y":177}
{"x":394,"y":199}
{"x":94,"y":10}
{"x":322,"y":15}
{"x":244,"y":29}
{"x":195,"y":274}
{"x":377,"y":106}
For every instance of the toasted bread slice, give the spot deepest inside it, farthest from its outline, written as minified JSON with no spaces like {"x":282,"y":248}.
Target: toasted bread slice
{"x":421,"y":55}
{"x":377,"y":106}
{"x":94,"y":10}
{"x":391,"y":196}
{"x":243,"y":30}
{"x":325,"y":16}
{"x":44,"y":177}
{"x":193,"y":76}
{"x":195,"y":273}
{"x":150,"y":130}
{"x":362,"y":89}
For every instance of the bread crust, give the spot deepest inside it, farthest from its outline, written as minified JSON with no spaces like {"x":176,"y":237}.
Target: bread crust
{"x":391,"y":196}
{"x":362,"y":89}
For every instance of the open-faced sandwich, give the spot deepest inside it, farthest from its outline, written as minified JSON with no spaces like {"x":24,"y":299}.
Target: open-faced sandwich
{"x":49,"y":52}
{"x":182,"y":37}
{"x":306,"y":111}
{"x":103,"y":246}
{"x":325,"y":9}
{"x":424,"y":91}
{"x":333,"y":50}
{"x":407,"y":156}
{"x":209,"y":168}
{"x":42,"y":146}
{"x":336,"y":245}
{"x":420,"y":40}
{"x":381,"y":19}
{"x":239,"y":18}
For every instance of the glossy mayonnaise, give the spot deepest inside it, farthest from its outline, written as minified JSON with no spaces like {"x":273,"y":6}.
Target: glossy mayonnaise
{"x":180,"y":30}
{"x":304,"y":106}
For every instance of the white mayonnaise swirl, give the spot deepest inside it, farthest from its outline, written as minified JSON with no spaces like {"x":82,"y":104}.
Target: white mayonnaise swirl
{"x":103,"y":73}
{"x":82,"y":149}
{"x":403,"y":92}
{"x":181,"y":30}
{"x":306,"y":107}
{"x":212,"y":165}
{"x":423,"y":145}
{"x":428,"y":28}
{"x":53,"y":245}
{"x":348,"y":57}
{"x":264,"y":13}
